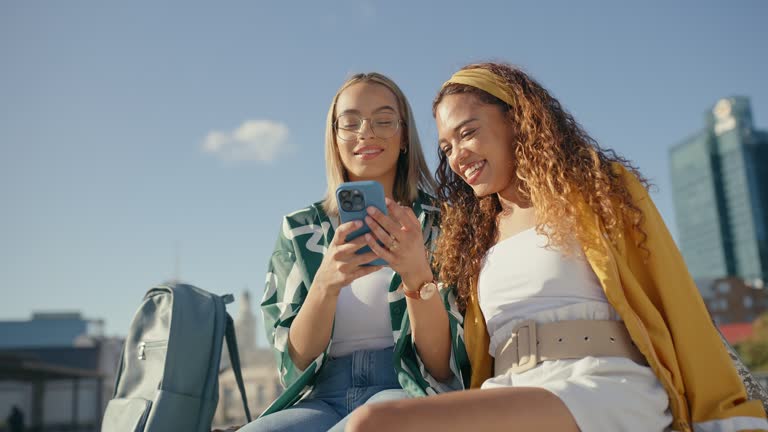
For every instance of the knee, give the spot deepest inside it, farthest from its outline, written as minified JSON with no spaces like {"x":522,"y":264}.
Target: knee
{"x":367,"y":418}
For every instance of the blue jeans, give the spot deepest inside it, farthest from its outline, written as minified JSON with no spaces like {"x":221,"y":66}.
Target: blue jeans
{"x":343,"y":384}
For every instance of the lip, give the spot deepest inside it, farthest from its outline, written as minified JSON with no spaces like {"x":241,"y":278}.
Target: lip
{"x":367,"y":153}
{"x":474,"y":177}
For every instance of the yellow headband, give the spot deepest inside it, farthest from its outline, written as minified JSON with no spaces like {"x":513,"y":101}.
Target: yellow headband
{"x":484,"y":80}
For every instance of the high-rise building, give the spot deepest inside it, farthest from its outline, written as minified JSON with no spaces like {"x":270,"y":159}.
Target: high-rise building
{"x":720,"y":189}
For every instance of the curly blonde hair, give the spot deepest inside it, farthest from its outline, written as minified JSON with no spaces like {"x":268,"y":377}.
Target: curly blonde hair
{"x":555,"y":161}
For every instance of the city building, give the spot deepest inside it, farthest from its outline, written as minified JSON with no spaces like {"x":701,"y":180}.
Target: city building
{"x":736,"y":333}
{"x":259,"y":369}
{"x":720,"y":190}
{"x":58,"y":369}
{"x":733,"y":300}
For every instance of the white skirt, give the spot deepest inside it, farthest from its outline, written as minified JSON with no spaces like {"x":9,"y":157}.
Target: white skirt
{"x":602,"y":393}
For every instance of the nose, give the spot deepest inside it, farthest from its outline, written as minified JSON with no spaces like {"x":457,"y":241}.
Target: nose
{"x":366,"y":130}
{"x":459,"y":154}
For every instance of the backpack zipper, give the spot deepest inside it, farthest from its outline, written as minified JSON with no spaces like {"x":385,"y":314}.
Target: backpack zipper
{"x":148,"y":345}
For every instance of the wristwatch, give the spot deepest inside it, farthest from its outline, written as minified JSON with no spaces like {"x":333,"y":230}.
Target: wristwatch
{"x":424,"y":292}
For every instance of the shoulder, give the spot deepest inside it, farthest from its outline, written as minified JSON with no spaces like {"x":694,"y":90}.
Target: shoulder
{"x":304,"y":221}
{"x":309,"y":215}
{"x":629,"y":176}
{"x":637,"y":187}
{"x":427,"y":203}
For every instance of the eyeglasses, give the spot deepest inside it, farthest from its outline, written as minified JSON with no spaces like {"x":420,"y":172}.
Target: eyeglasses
{"x":384,"y":126}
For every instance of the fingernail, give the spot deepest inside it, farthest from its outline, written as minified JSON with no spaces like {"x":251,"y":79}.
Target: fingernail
{"x":368,"y":237}
{"x":368,"y":220}
{"x":358,"y":224}
{"x":371,"y":210}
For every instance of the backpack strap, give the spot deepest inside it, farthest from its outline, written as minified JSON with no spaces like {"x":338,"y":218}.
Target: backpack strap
{"x":234,"y":358}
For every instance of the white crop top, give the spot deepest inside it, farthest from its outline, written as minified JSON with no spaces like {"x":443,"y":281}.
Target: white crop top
{"x":362,"y":315}
{"x":519,"y":278}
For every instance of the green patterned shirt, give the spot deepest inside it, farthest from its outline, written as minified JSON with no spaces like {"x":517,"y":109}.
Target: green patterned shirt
{"x":303,"y":239}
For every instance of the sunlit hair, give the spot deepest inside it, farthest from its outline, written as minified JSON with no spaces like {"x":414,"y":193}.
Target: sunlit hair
{"x":555,"y":160}
{"x":412,"y":171}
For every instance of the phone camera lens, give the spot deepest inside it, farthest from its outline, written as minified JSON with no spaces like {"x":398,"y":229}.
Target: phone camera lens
{"x":344,"y":194}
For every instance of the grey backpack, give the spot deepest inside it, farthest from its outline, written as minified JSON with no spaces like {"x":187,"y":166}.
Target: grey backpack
{"x":168,"y":378}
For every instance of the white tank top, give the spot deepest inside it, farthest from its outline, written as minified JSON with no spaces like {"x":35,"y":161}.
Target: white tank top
{"x":519,"y":278}
{"x":362,"y":315}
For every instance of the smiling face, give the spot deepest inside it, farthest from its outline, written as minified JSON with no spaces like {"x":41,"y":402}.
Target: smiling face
{"x":476,"y":139}
{"x":365,"y":155}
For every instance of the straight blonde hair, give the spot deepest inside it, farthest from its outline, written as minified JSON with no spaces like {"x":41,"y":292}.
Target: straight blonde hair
{"x":412,"y":172}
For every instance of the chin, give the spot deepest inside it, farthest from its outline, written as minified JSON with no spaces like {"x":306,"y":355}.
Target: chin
{"x":482,"y":190}
{"x":368,"y":172}
{"x":373,"y":170}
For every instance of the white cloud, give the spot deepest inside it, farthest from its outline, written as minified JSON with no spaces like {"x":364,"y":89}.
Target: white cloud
{"x":254,"y":140}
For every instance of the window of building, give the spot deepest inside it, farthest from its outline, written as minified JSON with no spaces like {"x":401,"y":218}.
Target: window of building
{"x":718,"y":305}
{"x":260,"y":397}
{"x":723,"y":287}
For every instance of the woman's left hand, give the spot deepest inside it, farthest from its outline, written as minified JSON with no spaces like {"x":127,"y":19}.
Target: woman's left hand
{"x":400,"y":233}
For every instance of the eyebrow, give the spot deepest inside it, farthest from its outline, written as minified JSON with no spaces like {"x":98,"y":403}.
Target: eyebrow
{"x":456,"y":129}
{"x":379,"y":109}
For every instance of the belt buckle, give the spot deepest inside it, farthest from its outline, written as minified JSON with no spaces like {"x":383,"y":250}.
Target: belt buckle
{"x":527,"y":349}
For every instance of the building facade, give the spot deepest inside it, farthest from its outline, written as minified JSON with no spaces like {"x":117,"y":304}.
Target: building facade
{"x":720,"y":189}
{"x":259,"y":368}
{"x":733,"y":300}
{"x":58,"y":369}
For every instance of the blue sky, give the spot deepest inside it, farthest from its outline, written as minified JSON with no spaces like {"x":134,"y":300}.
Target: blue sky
{"x":129,"y":132}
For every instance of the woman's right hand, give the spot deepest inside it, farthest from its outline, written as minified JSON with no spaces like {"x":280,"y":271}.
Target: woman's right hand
{"x":341,"y":264}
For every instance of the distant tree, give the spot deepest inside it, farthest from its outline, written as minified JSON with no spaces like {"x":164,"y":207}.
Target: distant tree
{"x":754,"y":351}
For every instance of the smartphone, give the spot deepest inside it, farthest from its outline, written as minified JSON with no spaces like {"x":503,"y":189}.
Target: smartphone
{"x":353,"y":198}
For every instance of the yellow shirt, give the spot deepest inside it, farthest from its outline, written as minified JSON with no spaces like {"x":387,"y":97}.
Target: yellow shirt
{"x":665,"y":316}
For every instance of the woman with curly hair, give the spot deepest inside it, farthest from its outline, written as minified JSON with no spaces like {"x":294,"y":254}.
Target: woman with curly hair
{"x":579,"y":312}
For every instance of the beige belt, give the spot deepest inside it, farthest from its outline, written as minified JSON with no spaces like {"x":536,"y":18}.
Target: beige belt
{"x":532,"y":343}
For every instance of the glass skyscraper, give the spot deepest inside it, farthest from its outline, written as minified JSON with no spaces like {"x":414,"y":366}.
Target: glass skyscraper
{"x":720,"y":190}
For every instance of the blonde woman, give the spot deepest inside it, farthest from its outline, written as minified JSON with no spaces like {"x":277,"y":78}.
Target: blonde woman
{"x":346,"y":333}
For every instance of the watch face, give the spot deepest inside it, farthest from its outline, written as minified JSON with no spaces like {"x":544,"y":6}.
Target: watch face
{"x":428,"y":290}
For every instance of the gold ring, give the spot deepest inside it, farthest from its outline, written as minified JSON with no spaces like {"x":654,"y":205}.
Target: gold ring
{"x":394,"y":244}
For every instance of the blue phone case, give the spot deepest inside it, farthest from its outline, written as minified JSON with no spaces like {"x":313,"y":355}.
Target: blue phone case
{"x":350,"y":194}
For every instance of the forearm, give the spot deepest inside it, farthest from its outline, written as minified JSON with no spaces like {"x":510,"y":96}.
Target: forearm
{"x":430,"y":332}
{"x":311,"y":329}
